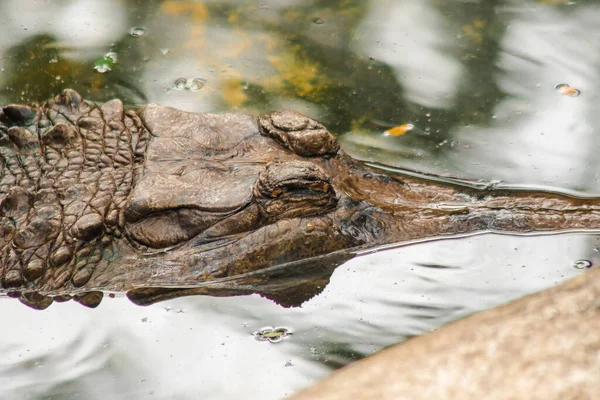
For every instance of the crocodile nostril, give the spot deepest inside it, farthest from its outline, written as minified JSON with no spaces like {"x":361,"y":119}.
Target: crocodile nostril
{"x":299,"y":133}
{"x":288,"y":120}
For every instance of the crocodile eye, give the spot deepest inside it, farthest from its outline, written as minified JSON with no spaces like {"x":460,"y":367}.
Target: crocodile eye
{"x":294,"y":189}
{"x":299,"y":133}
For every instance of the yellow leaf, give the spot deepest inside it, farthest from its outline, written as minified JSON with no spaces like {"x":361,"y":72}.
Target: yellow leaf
{"x":399,"y":130}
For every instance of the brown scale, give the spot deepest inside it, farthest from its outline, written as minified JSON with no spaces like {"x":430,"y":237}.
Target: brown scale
{"x":16,"y":201}
{"x":66,"y":171}
{"x":11,"y":167}
{"x":27,"y":155}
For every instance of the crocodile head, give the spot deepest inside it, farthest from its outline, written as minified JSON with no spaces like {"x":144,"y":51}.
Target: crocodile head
{"x":230,"y":196}
{"x":211,"y":178}
{"x":159,"y":203}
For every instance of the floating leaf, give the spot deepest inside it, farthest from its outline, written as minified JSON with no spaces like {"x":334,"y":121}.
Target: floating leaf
{"x":270,"y":334}
{"x":567,"y":90}
{"x":399,"y":130}
{"x":106,"y":63}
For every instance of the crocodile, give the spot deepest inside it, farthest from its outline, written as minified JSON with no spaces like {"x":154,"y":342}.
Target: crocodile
{"x":158,"y":203}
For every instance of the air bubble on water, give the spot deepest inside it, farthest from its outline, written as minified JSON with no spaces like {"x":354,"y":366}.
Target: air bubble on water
{"x":164,"y":51}
{"x":180,"y":84}
{"x":137,"y":31}
{"x":196,"y":84}
{"x":318,"y":21}
{"x":582,"y":264}
{"x":102,"y":68}
{"x":193,"y":85}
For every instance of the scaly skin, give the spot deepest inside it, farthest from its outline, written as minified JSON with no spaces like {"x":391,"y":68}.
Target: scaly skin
{"x":161,"y":203}
{"x":66,"y":169}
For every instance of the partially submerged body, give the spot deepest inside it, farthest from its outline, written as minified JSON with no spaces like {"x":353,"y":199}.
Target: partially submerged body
{"x":161,"y":203}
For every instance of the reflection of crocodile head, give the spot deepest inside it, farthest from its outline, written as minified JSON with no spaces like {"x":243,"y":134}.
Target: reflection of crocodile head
{"x":162,"y":203}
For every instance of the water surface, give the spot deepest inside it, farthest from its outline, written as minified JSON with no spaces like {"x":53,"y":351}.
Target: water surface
{"x":477,"y":80}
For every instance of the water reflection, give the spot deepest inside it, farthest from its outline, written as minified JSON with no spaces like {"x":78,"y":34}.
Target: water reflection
{"x":481,"y":75}
{"x":543,"y":138}
{"x":204,"y":347}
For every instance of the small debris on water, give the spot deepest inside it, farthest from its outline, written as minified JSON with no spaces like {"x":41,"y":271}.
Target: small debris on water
{"x":193,"y":85}
{"x":270,"y":334}
{"x":318,"y":21}
{"x":102,"y":68}
{"x":106,"y":63}
{"x":399,"y":130}
{"x":196,"y":84}
{"x":567,"y":90}
{"x":180,"y":84}
{"x":137,"y":31}
{"x":582,"y":264}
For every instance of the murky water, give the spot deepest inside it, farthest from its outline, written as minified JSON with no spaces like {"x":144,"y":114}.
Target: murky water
{"x":482,"y":85}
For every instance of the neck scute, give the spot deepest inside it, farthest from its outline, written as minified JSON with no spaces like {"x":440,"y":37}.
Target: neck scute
{"x":68,"y":167}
